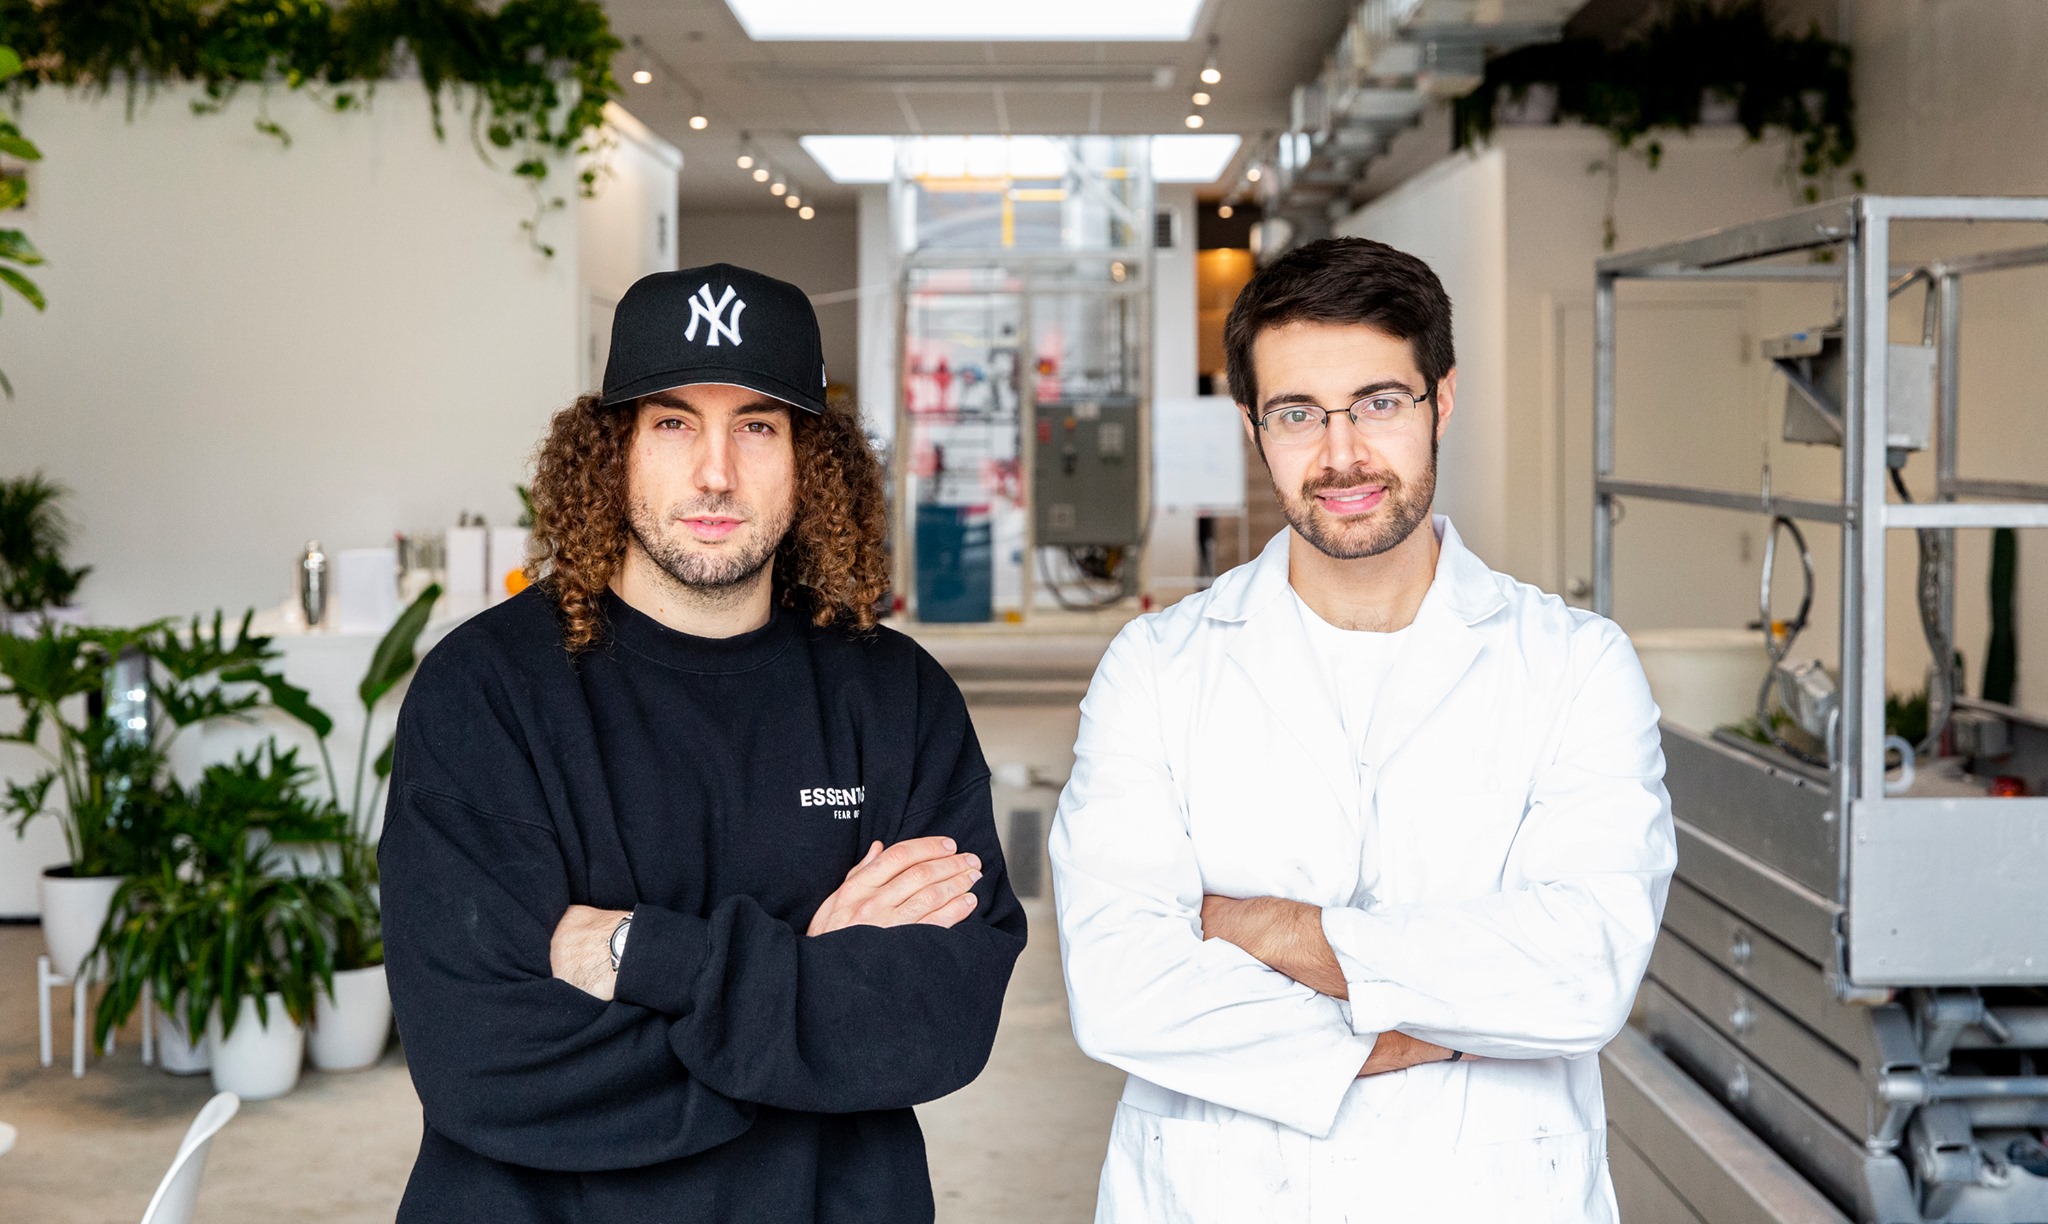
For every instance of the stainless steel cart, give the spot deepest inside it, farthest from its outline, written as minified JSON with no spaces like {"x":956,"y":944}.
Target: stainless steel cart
{"x":1843,"y":1015}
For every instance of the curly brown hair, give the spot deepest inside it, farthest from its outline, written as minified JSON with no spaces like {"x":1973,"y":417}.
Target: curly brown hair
{"x":831,"y":565}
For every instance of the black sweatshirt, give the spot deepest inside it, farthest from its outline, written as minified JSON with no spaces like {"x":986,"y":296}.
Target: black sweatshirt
{"x":721,"y":790}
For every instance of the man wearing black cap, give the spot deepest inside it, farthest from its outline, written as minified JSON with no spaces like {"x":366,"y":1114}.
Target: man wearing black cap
{"x":691,"y":886}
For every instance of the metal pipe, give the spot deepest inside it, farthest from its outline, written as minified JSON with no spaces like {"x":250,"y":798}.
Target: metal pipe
{"x":1948,"y":329}
{"x":1844,"y":752}
{"x":1725,"y":499}
{"x":1603,"y":442}
{"x":1868,"y":452}
{"x":1968,"y":514}
{"x":2007,"y":490}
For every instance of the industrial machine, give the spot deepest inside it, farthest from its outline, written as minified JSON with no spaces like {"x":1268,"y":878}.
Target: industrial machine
{"x":1846,"y":1016}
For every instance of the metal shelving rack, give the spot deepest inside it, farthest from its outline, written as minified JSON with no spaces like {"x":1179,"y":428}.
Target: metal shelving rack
{"x":1845,"y":972}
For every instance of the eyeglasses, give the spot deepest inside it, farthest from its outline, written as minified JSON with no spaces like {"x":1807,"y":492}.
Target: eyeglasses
{"x":1301,"y":424}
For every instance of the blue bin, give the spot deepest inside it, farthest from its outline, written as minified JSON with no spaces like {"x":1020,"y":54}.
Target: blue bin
{"x":955,"y":564}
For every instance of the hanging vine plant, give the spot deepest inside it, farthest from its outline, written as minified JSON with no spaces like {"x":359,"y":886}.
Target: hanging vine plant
{"x":534,"y":74}
{"x":1696,"y":53}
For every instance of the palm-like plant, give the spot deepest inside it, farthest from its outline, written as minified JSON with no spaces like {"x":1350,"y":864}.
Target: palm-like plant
{"x":34,"y":532}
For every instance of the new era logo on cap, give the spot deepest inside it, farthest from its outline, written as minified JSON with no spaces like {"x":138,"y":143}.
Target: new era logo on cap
{"x":682,"y":329}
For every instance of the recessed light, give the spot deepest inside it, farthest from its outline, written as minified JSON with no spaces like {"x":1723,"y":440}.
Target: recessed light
{"x":806,"y":212}
{"x":760,"y":174}
{"x":1253,"y":175}
{"x":746,"y":161}
{"x":1201,"y":97}
{"x":642,"y":77}
{"x":698,"y":123}
{"x":1194,"y":121}
{"x":950,"y":20}
{"x":777,"y":188}
{"x":792,"y":201}
{"x":1225,"y":211}
{"x":1210,"y":76}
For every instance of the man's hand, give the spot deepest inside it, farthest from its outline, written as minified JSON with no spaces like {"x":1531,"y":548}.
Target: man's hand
{"x":581,"y":951}
{"x":1396,"y":1051}
{"x":1286,"y":935}
{"x":921,"y":880}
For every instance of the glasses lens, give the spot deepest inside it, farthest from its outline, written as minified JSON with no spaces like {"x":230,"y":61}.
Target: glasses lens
{"x":1383,"y":409}
{"x":1294,"y":424}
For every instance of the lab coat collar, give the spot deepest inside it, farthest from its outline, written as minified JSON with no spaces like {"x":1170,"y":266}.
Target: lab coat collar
{"x":1463,"y":586}
{"x":1282,"y":664}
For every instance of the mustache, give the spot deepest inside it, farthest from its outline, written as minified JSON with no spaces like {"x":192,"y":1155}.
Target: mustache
{"x":716,"y":504}
{"x":1351,"y":480}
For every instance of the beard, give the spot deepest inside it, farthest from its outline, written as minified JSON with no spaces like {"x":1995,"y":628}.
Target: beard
{"x":714,"y":574}
{"x":1400,"y":512}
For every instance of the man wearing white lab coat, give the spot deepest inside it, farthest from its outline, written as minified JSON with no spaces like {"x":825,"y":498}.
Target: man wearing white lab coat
{"x":1366,"y":846}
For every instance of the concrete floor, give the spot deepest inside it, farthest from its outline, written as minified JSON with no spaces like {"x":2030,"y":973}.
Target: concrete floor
{"x":1023,"y":1143}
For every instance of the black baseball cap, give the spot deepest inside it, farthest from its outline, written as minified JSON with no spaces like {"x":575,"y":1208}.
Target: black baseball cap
{"x":716,"y":324}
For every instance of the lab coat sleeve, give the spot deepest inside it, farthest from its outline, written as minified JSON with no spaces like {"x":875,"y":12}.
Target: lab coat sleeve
{"x":1147,"y":994}
{"x":1550,"y":968}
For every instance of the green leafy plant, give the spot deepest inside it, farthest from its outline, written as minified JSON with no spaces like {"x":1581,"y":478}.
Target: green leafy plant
{"x":15,"y":248}
{"x":34,"y":534}
{"x":208,"y":930}
{"x":1797,"y":85}
{"x":534,"y":74}
{"x":109,"y":775}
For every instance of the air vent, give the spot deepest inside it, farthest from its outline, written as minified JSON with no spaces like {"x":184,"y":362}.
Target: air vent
{"x":1166,"y":229}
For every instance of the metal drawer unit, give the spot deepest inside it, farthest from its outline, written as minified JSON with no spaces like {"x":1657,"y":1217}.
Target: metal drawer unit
{"x":1854,"y":977}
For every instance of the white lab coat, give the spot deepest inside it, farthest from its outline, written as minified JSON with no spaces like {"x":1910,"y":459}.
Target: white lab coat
{"x":1492,"y":875}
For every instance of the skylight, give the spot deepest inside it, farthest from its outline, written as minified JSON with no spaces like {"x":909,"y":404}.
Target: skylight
{"x":968,"y":21}
{"x":1192,"y":159}
{"x":872,"y":159}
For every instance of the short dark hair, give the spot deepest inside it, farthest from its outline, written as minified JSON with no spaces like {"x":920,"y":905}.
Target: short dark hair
{"x":1342,"y":280}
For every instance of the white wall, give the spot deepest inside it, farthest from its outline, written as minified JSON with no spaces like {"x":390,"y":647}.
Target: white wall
{"x":1454,"y":216}
{"x":249,"y":345}
{"x":626,"y":231}
{"x":878,"y":266}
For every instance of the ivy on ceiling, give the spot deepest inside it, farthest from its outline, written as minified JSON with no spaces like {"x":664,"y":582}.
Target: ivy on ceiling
{"x":1658,"y":81}
{"x":533,"y":75}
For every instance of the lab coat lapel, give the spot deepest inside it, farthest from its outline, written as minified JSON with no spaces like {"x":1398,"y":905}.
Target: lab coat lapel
{"x":1277,"y":657}
{"x":1441,"y":647}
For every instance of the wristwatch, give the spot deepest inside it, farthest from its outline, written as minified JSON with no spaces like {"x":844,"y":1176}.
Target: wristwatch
{"x":618,"y":940}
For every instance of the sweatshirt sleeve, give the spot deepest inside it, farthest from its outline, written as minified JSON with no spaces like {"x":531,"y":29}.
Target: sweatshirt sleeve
{"x":1148,"y":995}
{"x":510,"y":1062}
{"x":1549,"y":968}
{"x":864,"y":1018}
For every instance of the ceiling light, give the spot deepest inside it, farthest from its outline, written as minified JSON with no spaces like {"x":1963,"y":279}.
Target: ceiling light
{"x":1211,"y":75}
{"x":791,"y":201}
{"x":1190,"y":158}
{"x":777,"y":187}
{"x":760,"y":174}
{"x":806,"y":212}
{"x":1201,"y":97}
{"x":698,"y":123}
{"x":1225,"y":211}
{"x":950,"y":20}
{"x":746,"y":161}
{"x":1253,"y":175}
{"x":1194,"y":121}
{"x":642,"y":77}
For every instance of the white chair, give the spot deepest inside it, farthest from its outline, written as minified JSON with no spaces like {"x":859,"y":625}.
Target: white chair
{"x":179,"y":1190}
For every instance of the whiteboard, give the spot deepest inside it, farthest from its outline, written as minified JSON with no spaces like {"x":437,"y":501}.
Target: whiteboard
{"x":1198,"y":454}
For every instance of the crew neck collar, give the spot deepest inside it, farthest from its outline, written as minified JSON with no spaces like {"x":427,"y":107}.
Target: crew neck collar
{"x":649,"y":638}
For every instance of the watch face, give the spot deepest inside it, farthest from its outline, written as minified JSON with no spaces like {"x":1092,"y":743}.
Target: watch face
{"x":618,"y":941}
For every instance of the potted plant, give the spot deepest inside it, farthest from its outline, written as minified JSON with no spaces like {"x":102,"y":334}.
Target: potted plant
{"x":352,"y":1018}
{"x":35,"y":583}
{"x":226,"y":932}
{"x":104,"y":778}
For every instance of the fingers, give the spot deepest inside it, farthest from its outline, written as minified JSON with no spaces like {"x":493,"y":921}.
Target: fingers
{"x":915,"y":879}
{"x":953,"y":912}
{"x":879,"y":869}
{"x":930,"y":899}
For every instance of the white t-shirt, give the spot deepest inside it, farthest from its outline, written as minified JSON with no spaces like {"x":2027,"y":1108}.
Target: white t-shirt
{"x":1356,"y":663}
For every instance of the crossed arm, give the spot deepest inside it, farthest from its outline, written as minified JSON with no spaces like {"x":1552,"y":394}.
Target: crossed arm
{"x":925,"y":880}
{"x":1287,"y":936}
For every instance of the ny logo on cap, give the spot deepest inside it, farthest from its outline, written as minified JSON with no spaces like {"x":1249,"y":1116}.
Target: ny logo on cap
{"x":702,"y":307}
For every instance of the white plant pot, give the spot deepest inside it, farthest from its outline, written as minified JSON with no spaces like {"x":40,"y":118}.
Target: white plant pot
{"x":258,"y":1061}
{"x":174,"y":1052}
{"x":74,"y":909}
{"x":351,"y":1029}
